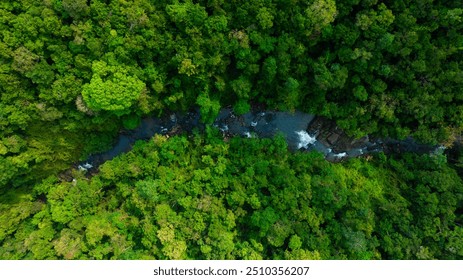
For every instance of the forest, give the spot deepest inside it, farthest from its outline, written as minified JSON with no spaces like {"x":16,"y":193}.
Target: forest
{"x":76,"y":73}
{"x":198,"y":197}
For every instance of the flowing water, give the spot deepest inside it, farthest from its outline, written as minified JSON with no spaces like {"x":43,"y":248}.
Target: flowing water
{"x":254,"y":124}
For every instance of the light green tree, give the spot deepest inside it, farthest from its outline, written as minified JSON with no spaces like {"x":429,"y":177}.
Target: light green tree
{"x":321,"y":13}
{"x":111,"y":89}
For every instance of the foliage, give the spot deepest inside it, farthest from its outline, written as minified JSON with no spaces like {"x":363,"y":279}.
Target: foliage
{"x":74,"y":73}
{"x":392,"y":68}
{"x":116,"y":94}
{"x":202,"y":198}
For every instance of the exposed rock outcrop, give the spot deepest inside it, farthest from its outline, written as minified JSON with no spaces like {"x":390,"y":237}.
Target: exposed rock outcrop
{"x":330,"y":135}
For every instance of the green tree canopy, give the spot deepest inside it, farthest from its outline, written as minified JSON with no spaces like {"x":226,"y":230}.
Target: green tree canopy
{"x":112,"y":89}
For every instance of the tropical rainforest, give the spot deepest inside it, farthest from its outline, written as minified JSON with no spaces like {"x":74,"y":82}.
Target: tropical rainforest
{"x":75,"y":73}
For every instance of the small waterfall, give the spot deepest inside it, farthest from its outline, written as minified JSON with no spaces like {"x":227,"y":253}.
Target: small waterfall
{"x":305,"y":139}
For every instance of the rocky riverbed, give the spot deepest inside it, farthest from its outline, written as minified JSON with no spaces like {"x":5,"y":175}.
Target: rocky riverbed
{"x":302,"y":132}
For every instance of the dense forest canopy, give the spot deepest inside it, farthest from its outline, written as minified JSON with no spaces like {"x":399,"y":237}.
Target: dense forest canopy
{"x":203,"y":198}
{"x":81,"y":68}
{"x":73,"y":73}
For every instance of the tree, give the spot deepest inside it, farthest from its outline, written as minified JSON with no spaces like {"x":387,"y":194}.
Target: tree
{"x":265,"y":18}
{"x":76,"y":8}
{"x":321,"y":13}
{"x":24,"y":60}
{"x":186,"y":14}
{"x":111,"y":89}
{"x":209,"y":108}
{"x":64,"y":90}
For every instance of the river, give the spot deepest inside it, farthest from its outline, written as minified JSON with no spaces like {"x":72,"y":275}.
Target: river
{"x":293,"y":126}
